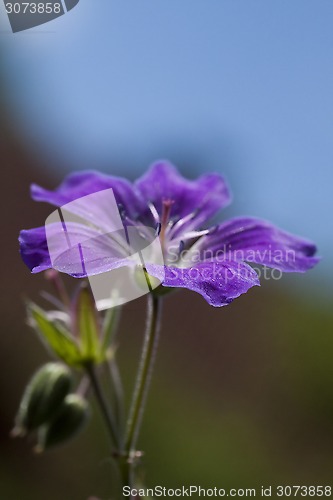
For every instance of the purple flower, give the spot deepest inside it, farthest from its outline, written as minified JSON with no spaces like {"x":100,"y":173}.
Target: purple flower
{"x":211,"y":261}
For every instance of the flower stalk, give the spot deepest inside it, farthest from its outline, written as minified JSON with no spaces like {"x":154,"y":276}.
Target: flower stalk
{"x":141,"y":388}
{"x":125,"y":452}
{"x":105,"y":410}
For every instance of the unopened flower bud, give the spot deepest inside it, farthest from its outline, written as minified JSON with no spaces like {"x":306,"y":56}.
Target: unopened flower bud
{"x":42,"y":397}
{"x":70,"y":419}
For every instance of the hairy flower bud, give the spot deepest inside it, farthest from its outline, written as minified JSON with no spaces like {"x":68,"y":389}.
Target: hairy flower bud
{"x":42,"y":397}
{"x":69,"y":420}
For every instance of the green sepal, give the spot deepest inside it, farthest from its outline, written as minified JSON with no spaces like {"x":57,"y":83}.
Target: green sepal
{"x":146,"y":280}
{"x":56,"y":337}
{"x":110,"y":323}
{"x":83,"y":341}
{"x":87,"y":327}
{"x":68,"y":422}
{"x":42,"y":397}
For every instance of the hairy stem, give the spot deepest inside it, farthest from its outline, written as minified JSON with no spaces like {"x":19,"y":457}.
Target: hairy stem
{"x":141,"y":388}
{"x":107,"y":415}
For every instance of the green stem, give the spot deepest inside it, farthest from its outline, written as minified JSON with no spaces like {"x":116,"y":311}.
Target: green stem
{"x":118,"y":391}
{"x":141,"y":387}
{"x":108,"y":417}
{"x":111,"y":321}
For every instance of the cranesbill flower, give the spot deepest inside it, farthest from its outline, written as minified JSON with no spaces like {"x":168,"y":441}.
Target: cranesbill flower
{"x":213,"y":261}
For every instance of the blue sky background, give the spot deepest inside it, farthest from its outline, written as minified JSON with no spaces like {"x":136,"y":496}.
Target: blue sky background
{"x":243,"y":87}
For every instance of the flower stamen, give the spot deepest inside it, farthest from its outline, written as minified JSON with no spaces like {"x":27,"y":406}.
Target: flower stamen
{"x":180,"y":223}
{"x":154,"y":212}
{"x":165,"y":218}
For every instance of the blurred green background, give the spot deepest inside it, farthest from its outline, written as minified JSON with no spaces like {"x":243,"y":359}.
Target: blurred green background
{"x":242,"y":396}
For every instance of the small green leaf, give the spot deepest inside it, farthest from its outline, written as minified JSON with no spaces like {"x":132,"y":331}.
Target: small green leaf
{"x":87,"y":326}
{"x":110,"y":323}
{"x":57,"y":338}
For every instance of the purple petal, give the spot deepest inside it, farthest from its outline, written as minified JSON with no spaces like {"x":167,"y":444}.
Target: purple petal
{"x":91,"y":256}
{"x":87,"y":182}
{"x":34,"y":250}
{"x":203,"y":196}
{"x":218,"y":282}
{"x":78,"y":251}
{"x":254,"y":240}
{"x":87,"y":260}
